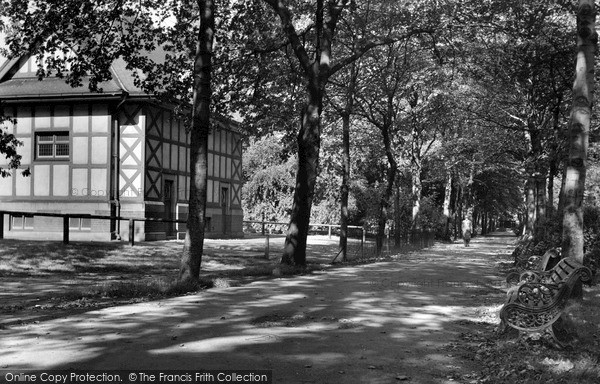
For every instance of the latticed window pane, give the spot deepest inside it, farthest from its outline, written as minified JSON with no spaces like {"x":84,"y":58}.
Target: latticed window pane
{"x":53,"y":145}
{"x":45,"y":150}
{"x":62,"y":149}
{"x":45,"y":138}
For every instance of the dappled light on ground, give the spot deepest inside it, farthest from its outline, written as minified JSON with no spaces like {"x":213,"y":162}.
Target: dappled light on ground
{"x":370,"y":322}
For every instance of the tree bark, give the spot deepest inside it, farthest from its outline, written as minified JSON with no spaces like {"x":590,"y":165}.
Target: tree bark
{"x":540,"y":207}
{"x":191,"y":258}
{"x":417,"y":189}
{"x":484,"y":223}
{"x":579,"y":126}
{"x":397,"y":217}
{"x":529,"y":207}
{"x":390,"y":177}
{"x":467,"y":195}
{"x":446,"y":205}
{"x":345,"y":189}
{"x":309,"y":143}
{"x":456,"y":214}
{"x":316,"y":72}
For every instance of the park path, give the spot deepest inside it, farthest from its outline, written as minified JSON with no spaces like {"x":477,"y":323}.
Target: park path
{"x":374,"y":323}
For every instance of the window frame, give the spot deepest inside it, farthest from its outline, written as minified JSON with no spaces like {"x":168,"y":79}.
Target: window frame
{"x":58,"y":138}
{"x":80,"y":224}
{"x":23,"y":226}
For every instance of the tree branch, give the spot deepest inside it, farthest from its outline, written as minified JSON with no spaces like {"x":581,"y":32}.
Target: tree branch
{"x":288,"y":27}
{"x":365,"y":45}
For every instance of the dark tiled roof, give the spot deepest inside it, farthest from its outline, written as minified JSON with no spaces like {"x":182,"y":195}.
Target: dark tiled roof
{"x":18,"y":87}
{"x":27,"y":87}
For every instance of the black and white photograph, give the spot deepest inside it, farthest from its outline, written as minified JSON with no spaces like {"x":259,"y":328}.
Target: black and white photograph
{"x":299,"y":191}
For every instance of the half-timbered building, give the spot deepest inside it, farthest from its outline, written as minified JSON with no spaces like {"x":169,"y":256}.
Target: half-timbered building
{"x":119,"y":153}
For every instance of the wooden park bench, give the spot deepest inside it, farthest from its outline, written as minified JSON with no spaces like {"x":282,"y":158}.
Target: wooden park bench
{"x":535,"y":305}
{"x":526,"y":270}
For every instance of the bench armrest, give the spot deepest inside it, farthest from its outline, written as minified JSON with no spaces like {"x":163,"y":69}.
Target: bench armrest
{"x":538,"y":294}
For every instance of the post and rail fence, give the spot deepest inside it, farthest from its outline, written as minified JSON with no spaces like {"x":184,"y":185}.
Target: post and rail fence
{"x":360,"y":244}
{"x":358,"y":248}
{"x":67,"y":216}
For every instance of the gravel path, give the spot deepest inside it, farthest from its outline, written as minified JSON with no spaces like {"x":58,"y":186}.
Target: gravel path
{"x":375,"y":323}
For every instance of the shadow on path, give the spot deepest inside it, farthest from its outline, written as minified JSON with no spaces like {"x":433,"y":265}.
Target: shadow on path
{"x":362,"y":324}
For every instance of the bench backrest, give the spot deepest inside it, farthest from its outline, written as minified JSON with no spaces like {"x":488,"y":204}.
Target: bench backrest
{"x":549,"y":259}
{"x":565,"y":270}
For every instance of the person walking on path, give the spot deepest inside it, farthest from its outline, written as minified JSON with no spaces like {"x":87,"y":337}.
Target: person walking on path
{"x":467,"y":228}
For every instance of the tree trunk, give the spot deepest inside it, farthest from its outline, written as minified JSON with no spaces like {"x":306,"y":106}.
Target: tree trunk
{"x":540,"y":208}
{"x":417,"y":190}
{"x":467,"y":195}
{"x":345,"y":189}
{"x":579,"y":126}
{"x":529,"y":207}
{"x":391,"y":173}
{"x":191,"y":258}
{"x":457,"y":212}
{"x":316,"y":72}
{"x":484,"y":223}
{"x":309,"y":143}
{"x":397,"y":217}
{"x":446,"y":206}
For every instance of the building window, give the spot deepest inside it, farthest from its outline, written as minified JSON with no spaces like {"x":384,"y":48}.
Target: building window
{"x":52,"y":145}
{"x":225,"y":199}
{"x":80,"y":223}
{"x":21,"y":222}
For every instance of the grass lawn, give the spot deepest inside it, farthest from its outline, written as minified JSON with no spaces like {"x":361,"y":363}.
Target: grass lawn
{"x":48,"y":275}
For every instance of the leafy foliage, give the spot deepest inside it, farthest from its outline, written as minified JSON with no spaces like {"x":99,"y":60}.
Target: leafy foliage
{"x":268,"y":180}
{"x":8,"y":148}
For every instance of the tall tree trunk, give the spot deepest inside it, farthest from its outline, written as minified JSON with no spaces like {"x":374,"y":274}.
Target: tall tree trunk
{"x":390,"y":177}
{"x":446,"y":205}
{"x":316,"y":70}
{"x":561,"y":194}
{"x":467,"y":195}
{"x":397,"y":217}
{"x":484,"y":223}
{"x":309,"y":143}
{"x":457,"y":215}
{"x":344,"y":189}
{"x":417,"y":190}
{"x":529,"y":207}
{"x":579,"y":126}
{"x":540,"y":207}
{"x":191,"y":258}
{"x":534,"y":198}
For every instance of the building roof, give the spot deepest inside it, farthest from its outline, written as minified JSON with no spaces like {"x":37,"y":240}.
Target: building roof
{"x":15,"y":85}
{"x":18,"y":87}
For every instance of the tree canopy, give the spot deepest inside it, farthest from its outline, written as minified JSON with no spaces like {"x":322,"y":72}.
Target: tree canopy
{"x":371,"y":113}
